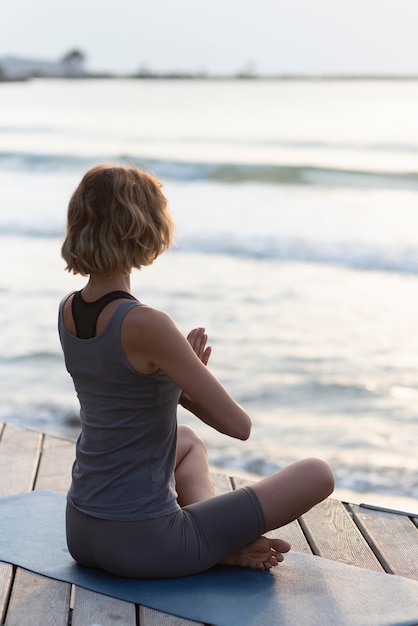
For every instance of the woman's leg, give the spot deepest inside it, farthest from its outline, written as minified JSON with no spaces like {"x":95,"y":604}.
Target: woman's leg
{"x":193,"y":484}
{"x":193,"y":481}
{"x":287,"y":494}
{"x":283,"y":497}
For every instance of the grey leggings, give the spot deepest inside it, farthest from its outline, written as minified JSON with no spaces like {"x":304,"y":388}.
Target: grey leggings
{"x":189,"y":541}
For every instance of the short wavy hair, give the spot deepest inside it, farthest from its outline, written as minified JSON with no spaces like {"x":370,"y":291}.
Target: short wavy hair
{"x":117,"y":220}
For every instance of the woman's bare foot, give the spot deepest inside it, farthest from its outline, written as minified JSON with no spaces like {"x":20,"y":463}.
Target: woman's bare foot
{"x":260,"y":554}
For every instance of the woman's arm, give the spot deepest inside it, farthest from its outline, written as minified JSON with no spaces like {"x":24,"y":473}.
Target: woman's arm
{"x":151,"y":340}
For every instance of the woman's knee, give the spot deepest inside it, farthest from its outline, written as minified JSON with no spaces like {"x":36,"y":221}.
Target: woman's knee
{"x":292,"y":491}
{"x":320,"y":475}
{"x":188,"y":440}
{"x":311,"y":478}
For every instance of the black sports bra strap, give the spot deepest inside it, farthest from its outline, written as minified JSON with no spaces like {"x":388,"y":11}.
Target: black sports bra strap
{"x":85,"y":314}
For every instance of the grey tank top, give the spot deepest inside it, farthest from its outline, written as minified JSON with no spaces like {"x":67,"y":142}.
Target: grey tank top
{"x":125,"y":454}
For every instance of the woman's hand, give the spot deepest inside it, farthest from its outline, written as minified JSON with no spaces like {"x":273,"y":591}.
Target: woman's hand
{"x":197,"y":338}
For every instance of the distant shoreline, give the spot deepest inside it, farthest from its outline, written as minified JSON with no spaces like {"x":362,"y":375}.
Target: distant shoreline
{"x":217,"y":77}
{"x":72,"y":65}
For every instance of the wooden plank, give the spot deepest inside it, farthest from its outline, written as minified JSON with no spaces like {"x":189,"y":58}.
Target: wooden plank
{"x":19,"y":456}
{"x":38,"y":600}
{"x":291,"y":532}
{"x":332,"y":534}
{"x":221,"y":483}
{"x":94,"y":608}
{"x":6,"y":570}
{"x":150,"y":617}
{"x":55,"y":465}
{"x":393,"y":537}
{"x":6,"y":577}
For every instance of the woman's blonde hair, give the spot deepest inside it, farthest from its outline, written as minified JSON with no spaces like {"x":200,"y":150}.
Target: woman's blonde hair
{"x":117,"y":220}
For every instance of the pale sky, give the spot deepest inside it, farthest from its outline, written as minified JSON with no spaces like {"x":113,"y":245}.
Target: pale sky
{"x":218,"y":36}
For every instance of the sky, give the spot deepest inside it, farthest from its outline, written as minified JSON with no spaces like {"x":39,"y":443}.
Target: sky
{"x":218,"y":36}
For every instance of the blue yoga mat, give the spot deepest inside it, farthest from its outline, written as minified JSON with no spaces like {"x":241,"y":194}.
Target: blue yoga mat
{"x":305,"y":589}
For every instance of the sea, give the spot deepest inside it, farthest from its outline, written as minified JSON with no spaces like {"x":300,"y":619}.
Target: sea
{"x":296,"y":211}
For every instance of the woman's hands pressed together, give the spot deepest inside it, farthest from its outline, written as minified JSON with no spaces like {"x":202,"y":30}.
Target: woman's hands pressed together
{"x":198,"y":338}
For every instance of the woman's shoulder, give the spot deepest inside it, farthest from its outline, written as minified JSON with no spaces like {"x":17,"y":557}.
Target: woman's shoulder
{"x":148,"y":335}
{"x":66,"y":300}
{"x":145,"y":318}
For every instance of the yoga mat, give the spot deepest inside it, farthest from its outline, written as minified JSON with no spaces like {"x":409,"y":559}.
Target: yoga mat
{"x":305,"y":589}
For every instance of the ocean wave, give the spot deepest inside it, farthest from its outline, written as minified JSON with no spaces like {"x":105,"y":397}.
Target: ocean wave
{"x":29,"y":161}
{"x":403,"y":259}
{"x":40,"y":231}
{"x":221,"y":172}
{"x":306,"y":144}
{"x":361,"y":478}
{"x":321,"y":394}
{"x":30,"y":357}
{"x":285,"y":175}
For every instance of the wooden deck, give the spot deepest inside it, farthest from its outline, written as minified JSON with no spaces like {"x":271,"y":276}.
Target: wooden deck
{"x":369,"y":538}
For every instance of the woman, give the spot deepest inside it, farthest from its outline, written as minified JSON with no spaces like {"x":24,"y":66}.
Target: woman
{"x":141,"y":502}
